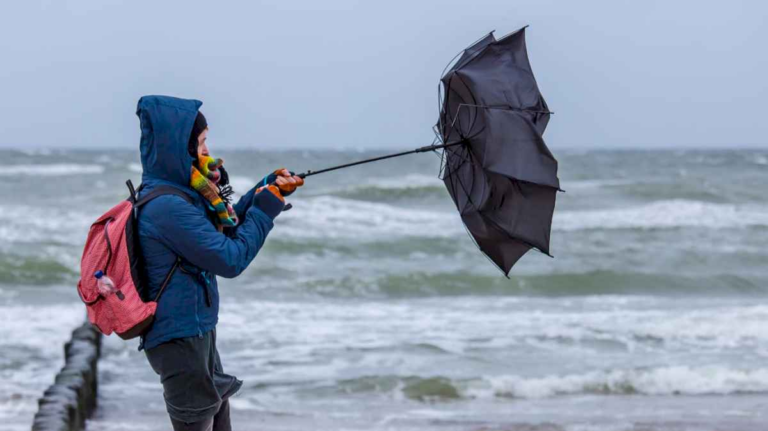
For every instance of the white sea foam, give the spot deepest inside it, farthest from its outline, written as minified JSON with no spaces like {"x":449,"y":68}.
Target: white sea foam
{"x":36,"y":151}
{"x":761,"y":159}
{"x":333,"y":217}
{"x":409,"y":181}
{"x":39,"y":326}
{"x":51,"y":170}
{"x":664,"y":215}
{"x":241,"y":184}
{"x":595,"y":184}
{"x":385,"y":184}
{"x":707,"y":380}
{"x":31,"y":224}
{"x":135,"y":167}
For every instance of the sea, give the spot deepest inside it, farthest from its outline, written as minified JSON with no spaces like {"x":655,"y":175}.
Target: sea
{"x":370,"y":307}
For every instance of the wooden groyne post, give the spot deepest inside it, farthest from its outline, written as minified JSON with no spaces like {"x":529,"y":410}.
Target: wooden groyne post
{"x":71,"y":399}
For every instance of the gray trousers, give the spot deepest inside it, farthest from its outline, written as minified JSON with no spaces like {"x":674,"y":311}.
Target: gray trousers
{"x":195,"y":387}
{"x":219,"y":422}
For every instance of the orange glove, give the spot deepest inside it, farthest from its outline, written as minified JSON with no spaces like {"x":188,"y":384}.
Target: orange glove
{"x":285,"y":180}
{"x":272,"y":189}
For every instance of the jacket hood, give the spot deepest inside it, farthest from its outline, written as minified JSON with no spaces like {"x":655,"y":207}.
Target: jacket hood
{"x":166,"y":124}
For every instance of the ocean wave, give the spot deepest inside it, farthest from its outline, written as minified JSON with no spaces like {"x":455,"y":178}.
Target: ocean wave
{"x":241,"y":184}
{"x":667,"y":214}
{"x":414,"y":281}
{"x":35,"y":326}
{"x":411,"y":186}
{"x":335,"y":217}
{"x":476,"y":326}
{"x":35,"y":151}
{"x":51,"y":170}
{"x":338,"y":217}
{"x":673,"y":380}
{"x":408,"y":181}
{"x":44,"y":224}
{"x":677,"y":380}
{"x":412,"y":387}
{"x":596,"y":183}
{"x":34,"y":270}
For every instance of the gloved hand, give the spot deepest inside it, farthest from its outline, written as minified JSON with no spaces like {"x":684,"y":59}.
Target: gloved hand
{"x":271,"y":189}
{"x":285,"y":180}
{"x":264,"y":200}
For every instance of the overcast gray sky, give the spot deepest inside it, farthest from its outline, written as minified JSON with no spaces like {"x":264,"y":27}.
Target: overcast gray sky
{"x":354,"y":73}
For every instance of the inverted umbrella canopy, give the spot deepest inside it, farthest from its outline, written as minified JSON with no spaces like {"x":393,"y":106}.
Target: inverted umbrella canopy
{"x":496,"y":166}
{"x":498,"y":171}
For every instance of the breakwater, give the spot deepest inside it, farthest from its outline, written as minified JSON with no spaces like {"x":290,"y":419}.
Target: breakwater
{"x":71,"y":399}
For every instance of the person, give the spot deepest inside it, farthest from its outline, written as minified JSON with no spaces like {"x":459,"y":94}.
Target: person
{"x":204,"y":239}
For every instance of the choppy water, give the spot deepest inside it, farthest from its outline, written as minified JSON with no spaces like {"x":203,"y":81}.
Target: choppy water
{"x":371,"y":308}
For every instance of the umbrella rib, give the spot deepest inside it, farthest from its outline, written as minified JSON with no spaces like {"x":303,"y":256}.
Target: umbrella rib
{"x":445,"y":111}
{"x":462,"y":157}
{"x":501,"y":108}
{"x":454,"y":179}
{"x":439,"y":111}
{"x":455,"y":118}
{"x":474,"y":100}
{"x":458,"y":110}
{"x":507,"y":108}
{"x":453,"y":123}
{"x":469,"y":195}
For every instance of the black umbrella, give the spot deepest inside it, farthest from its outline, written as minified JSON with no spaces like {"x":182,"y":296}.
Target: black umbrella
{"x":500,"y":174}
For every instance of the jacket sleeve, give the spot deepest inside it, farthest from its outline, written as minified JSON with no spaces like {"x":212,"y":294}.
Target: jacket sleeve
{"x":244,"y":203}
{"x":186,"y":230}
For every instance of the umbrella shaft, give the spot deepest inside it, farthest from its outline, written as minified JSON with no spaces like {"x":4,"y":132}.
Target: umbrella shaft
{"x":376,"y":159}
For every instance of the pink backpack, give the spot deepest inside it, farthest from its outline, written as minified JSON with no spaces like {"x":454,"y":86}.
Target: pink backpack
{"x":113,"y":248}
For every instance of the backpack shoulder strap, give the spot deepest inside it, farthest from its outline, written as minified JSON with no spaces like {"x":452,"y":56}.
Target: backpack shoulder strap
{"x":162,"y":190}
{"x":137,"y":203}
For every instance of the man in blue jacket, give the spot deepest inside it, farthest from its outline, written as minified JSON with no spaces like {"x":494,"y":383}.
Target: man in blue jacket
{"x":181,"y":344}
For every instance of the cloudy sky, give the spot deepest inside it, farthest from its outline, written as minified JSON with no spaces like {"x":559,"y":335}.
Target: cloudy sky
{"x":344,"y":73}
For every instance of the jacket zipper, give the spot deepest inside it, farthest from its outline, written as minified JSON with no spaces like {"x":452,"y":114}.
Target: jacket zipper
{"x":197,"y":317}
{"x":207,"y":287}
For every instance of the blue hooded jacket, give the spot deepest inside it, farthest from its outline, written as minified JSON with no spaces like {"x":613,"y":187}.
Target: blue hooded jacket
{"x":170,"y":227}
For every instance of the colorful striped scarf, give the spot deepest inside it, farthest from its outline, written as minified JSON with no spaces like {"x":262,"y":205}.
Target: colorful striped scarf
{"x":205,"y":179}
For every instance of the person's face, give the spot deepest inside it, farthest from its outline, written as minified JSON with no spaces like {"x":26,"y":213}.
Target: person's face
{"x":202,"y":146}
